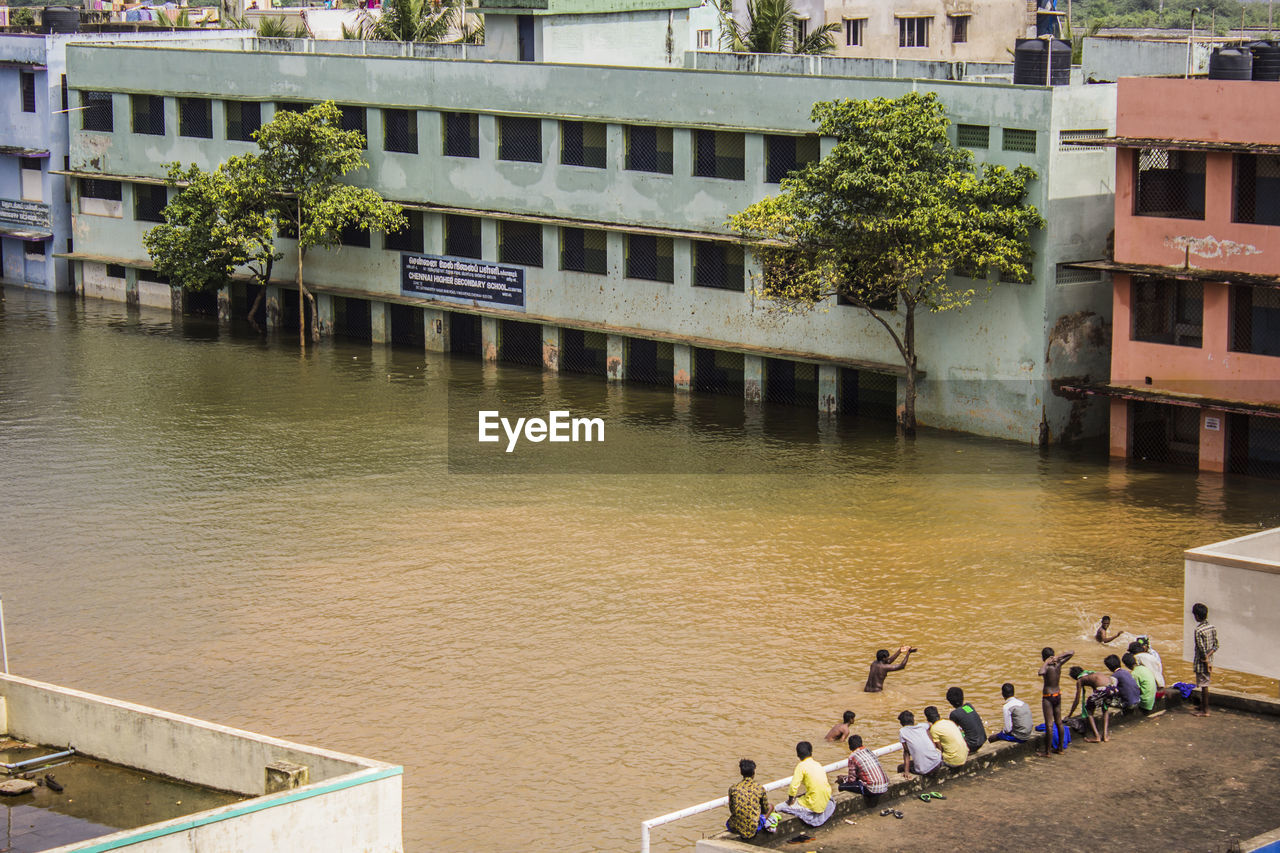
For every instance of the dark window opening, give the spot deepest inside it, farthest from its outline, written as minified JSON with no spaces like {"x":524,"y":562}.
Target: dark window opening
{"x":650,"y":362}
{"x":582,"y":143}
{"x":1255,"y":320}
{"x":409,"y":239}
{"x":913,"y":32}
{"x":520,"y":139}
{"x":28,"y":91}
{"x":149,"y":202}
{"x":115,"y":271}
{"x":292,"y":106}
{"x":462,"y":236}
{"x":352,"y":318}
{"x":66,"y":95}
{"x":195,"y":118}
{"x":650,"y":257}
{"x":148,"y":114}
{"x":406,"y":326}
{"x":1257,"y":189}
{"x":355,"y":237}
{"x":853,"y":28}
{"x":1169,"y":434}
{"x":868,"y":395}
{"x":152,"y":276}
{"x":520,"y":343}
{"x":520,"y":243}
{"x":582,"y":250}
{"x":1169,"y":183}
{"x":959,"y":29}
{"x":1167,"y":311}
{"x":584,"y":352}
{"x":461,"y":135}
{"x":790,"y":383}
{"x":1253,"y":445}
{"x":97,"y":111}
{"x":464,"y":333}
{"x":243,"y":118}
{"x":786,"y":154}
{"x":718,"y":154}
{"x":718,"y":372}
{"x":98,"y":188}
{"x":973,"y":136}
{"x":400,"y":131}
{"x":355,"y":118}
{"x":718,"y":265}
{"x":648,"y":149}
{"x":34,"y":248}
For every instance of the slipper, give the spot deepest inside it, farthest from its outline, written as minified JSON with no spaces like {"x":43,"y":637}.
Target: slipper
{"x":800,"y":839}
{"x":886,"y":812}
{"x":926,"y":798}
{"x":899,"y":815}
{"x":934,"y":795}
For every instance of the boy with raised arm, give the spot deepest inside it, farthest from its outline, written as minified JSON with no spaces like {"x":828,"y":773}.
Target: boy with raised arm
{"x":1051,"y":697}
{"x":883,"y":665}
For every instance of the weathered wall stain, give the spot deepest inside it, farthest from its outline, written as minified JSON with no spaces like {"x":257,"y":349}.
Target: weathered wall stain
{"x":1073,"y":337}
{"x":1210,"y":246}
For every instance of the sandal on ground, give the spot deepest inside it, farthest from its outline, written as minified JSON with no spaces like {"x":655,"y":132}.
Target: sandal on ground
{"x":899,"y":815}
{"x":886,"y":812}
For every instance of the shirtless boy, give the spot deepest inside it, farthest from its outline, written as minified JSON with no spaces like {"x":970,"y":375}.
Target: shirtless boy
{"x":840,"y":730}
{"x":884,"y":665}
{"x":1051,"y":697}
{"x":1105,"y":691}
{"x":1103,"y":627}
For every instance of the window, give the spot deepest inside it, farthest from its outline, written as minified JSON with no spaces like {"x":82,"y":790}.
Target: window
{"x":353,"y":236}
{"x":875,"y":301}
{"x":410,"y":238}
{"x":149,"y":202}
{"x":195,"y":118}
{"x":243,"y":118}
{"x":582,"y":250}
{"x":115,"y":271}
{"x":1023,"y":141}
{"x":461,"y":134}
{"x":1169,"y":183}
{"x":520,"y":139}
{"x":718,"y":265}
{"x":97,"y":112}
{"x":1066,"y":136}
{"x":32,"y":178}
{"x":462,"y":236}
{"x":650,"y":257}
{"x":718,"y":154}
{"x":66,"y":94}
{"x":101,"y":198}
{"x":582,"y":143}
{"x":704,"y":39}
{"x":1167,"y":311}
{"x":959,"y":29}
{"x":292,"y":106}
{"x":33,"y":248}
{"x":1026,"y":278}
{"x":1066,"y":275}
{"x":1257,"y":189}
{"x":148,"y":114}
{"x":28,"y":91}
{"x":1255,"y":320}
{"x":973,"y":136}
{"x":853,"y":28}
{"x":152,"y":276}
{"x":785,"y":154}
{"x":355,"y":118}
{"x":802,"y":29}
{"x":400,"y":131}
{"x":648,"y":149}
{"x":520,"y":243}
{"x":913,"y":32}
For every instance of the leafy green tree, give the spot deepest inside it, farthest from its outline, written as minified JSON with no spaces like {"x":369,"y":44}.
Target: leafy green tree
{"x":408,"y":20}
{"x":306,"y":155}
{"x":23,"y":17}
{"x":772,"y":27}
{"x":885,"y":217}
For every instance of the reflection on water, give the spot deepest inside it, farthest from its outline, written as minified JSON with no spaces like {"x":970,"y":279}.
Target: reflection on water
{"x":216,"y":525}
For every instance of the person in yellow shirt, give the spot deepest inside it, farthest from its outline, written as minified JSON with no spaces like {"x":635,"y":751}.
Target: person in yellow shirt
{"x":816,"y":805}
{"x":948,"y":738}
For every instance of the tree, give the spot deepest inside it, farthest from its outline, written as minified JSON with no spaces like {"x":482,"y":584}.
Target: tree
{"x":885,"y":217}
{"x":407,"y":20}
{"x":305,"y":155}
{"x":772,"y":27}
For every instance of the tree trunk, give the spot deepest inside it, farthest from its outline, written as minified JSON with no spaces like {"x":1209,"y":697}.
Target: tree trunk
{"x":907,"y":420}
{"x":302,"y":305}
{"x":253,"y":309}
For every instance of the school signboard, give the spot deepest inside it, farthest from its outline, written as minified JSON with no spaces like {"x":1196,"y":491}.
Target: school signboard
{"x":462,"y":280}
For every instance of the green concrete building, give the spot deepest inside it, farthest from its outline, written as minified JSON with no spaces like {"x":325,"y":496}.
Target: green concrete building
{"x":607,"y":189}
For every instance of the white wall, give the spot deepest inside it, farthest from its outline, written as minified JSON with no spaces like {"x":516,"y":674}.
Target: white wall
{"x":1239,"y":581}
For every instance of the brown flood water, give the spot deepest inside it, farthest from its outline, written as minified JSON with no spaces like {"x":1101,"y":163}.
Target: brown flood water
{"x":212,"y":525}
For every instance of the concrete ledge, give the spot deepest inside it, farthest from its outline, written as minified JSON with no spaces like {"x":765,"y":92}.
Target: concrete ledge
{"x":1247,"y":702}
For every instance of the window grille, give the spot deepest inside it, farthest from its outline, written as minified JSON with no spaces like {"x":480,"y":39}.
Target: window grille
{"x":1013,"y":278}
{"x":1253,"y":445}
{"x":1170,"y":184}
{"x":409,"y":239}
{"x":520,"y":243}
{"x":1255,"y":320}
{"x":786,"y":154}
{"x":1023,"y":141}
{"x":802,"y":29}
{"x":718,"y":154}
{"x":98,"y":188}
{"x":1257,"y":188}
{"x":400,"y":131}
{"x":873,"y":396}
{"x":1067,"y":275}
{"x":913,"y":32}
{"x":790,"y":383}
{"x":148,"y":114}
{"x":292,"y":106}
{"x":648,"y":149}
{"x":115,"y":271}
{"x":1065,"y":136}
{"x":582,"y":143}
{"x":97,"y":112}
{"x":152,"y":276}
{"x":461,"y":134}
{"x":1168,"y":434}
{"x":1167,"y":311}
{"x":195,"y":118}
{"x":650,"y":362}
{"x":976,"y":136}
{"x":878,"y":302}
{"x":718,"y":371}
{"x":149,"y":202}
{"x":583,"y":250}
{"x":520,"y":139}
{"x":650,"y":257}
{"x":462,"y":236}
{"x":964,"y":270}
{"x":356,"y":118}
{"x":243,"y":118}
{"x":853,"y":31}
{"x":354,"y":236}
{"x":704,"y":39}
{"x":718,"y":265}
{"x":28,"y":91}
{"x":959,"y":29}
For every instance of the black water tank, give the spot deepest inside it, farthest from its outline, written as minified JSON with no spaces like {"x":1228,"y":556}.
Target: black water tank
{"x":1230,"y":63}
{"x":1029,"y":62}
{"x":1266,"y":60}
{"x":60,"y":19}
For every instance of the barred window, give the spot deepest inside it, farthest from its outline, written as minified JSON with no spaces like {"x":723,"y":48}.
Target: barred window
{"x":520,"y":139}
{"x":28,"y":91}
{"x":152,"y":276}
{"x":786,"y":154}
{"x":243,"y":118}
{"x":718,"y":265}
{"x":853,"y":29}
{"x":1169,"y":183}
{"x":1019,"y":140}
{"x":292,"y":106}
{"x":718,"y":154}
{"x":650,"y":257}
{"x":913,"y":32}
{"x":583,"y":250}
{"x":400,"y":131}
{"x":354,"y":236}
{"x":355,"y":118}
{"x":1255,"y":320}
{"x":149,"y":202}
{"x":959,"y":29}
{"x":410,"y":238}
{"x":582,"y":143}
{"x":97,"y":112}
{"x":648,"y":149}
{"x":115,"y":271}
{"x":1257,"y":189}
{"x":462,"y":236}
{"x":1066,"y":275}
{"x":148,"y":114}
{"x":520,"y":243}
{"x":34,"y":248}
{"x":1065,"y":136}
{"x":97,"y":188}
{"x":973,"y":136}
{"x":1167,"y":311}
{"x":704,"y":39}
{"x":461,"y":134}
{"x":195,"y":118}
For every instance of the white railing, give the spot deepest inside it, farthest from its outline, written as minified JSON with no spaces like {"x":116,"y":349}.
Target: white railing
{"x":724,"y":801}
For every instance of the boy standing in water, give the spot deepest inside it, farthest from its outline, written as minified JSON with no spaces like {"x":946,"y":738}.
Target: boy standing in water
{"x":1103,"y":627}
{"x":884,"y":665}
{"x":1051,"y":697}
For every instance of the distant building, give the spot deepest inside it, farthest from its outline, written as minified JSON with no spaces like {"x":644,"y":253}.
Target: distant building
{"x":653,"y":33}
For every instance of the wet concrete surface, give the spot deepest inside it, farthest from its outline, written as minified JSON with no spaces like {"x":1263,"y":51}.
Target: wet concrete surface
{"x":1171,"y":783}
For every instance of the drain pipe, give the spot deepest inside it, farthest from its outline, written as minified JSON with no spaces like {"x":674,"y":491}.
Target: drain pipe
{"x":43,"y":759}
{"x":3,"y":644}
{"x":1191,"y":38}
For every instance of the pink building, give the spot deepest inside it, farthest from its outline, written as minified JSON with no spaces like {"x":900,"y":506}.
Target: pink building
{"x":1195,"y":358}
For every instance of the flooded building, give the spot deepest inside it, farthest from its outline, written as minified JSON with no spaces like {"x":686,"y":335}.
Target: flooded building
{"x":605,"y":190}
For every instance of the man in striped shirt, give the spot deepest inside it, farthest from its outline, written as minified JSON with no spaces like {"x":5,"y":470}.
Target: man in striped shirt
{"x":866,"y":776}
{"x":1206,"y":641}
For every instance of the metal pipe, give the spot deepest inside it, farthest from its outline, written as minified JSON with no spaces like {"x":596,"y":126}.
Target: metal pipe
{"x":18,"y":765}
{"x":3,"y":643}
{"x":724,"y":801}
{"x":1190,"y":38}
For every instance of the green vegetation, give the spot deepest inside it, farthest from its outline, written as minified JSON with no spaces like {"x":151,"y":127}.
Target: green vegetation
{"x":772,"y":27}
{"x":1219,"y":16}
{"x":417,"y":21}
{"x":885,"y":217}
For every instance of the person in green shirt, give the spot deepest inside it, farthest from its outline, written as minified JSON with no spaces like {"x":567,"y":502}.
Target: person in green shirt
{"x":1146,"y":683}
